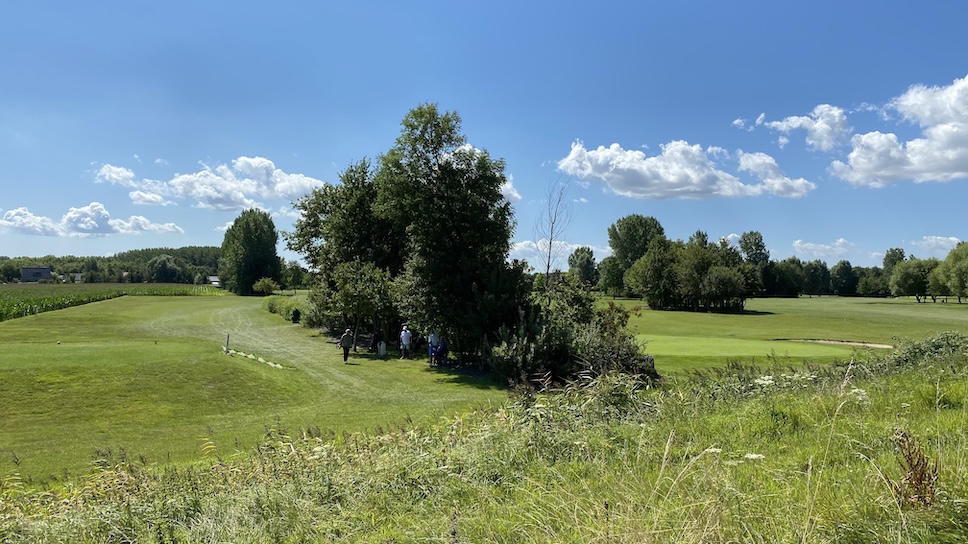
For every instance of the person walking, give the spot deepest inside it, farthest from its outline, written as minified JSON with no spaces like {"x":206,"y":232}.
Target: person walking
{"x":346,"y":342}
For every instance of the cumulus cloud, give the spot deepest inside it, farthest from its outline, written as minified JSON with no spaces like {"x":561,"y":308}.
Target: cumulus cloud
{"x":148,"y":198}
{"x":680,"y":171}
{"x":137,"y":224}
{"x":509,"y":191}
{"x":839,"y":248}
{"x":826,"y":126}
{"x":939,"y":154}
{"x":233,"y":187}
{"x":21,"y":221}
{"x":116,"y":175}
{"x":88,"y":221}
{"x":937,"y":244}
{"x":774,"y":181}
{"x":536,"y":252}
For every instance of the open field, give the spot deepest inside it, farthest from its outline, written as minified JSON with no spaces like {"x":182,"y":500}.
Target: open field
{"x":684,"y":340}
{"x":147,"y":374}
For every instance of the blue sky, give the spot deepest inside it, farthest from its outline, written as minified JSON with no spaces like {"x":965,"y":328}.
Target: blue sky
{"x":836,"y":129}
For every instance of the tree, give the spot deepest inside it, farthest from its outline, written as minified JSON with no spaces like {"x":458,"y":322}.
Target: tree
{"x":654,"y":275}
{"x":891,"y":258}
{"x":629,"y":238}
{"x":955,"y":272}
{"x":816,"y":277}
{"x":910,"y":277}
{"x":843,"y":279}
{"x":581,"y":263}
{"x":456,"y":279}
{"x":265,"y":286}
{"x":786,"y":277}
{"x":697,"y":257}
{"x":167,"y":269}
{"x":551,"y":227}
{"x":249,"y":252}
{"x":340,"y":223}
{"x":753,"y":248}
{"x":610,"y":276}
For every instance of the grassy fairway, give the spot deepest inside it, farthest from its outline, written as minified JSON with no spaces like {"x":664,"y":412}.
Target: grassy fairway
{"x":683,"y":340}
{"x":146,"y":374}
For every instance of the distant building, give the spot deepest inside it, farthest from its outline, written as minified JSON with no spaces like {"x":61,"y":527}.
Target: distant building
{"x":213,"y":280}
{"x":35,"y":273}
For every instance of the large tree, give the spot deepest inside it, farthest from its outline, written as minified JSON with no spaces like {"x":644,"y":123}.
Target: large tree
{"x":339,"y":223}
{"x":456,"y":280}
{"x":630,"y":236}
{"x":249,"y":252}
{"x":843,"y":278}
{"x":581,"y":263}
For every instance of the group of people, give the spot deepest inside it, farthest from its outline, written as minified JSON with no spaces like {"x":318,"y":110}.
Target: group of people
{"x":436,"y":345}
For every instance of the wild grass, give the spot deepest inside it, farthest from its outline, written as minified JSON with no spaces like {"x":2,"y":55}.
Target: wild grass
{"x":741,"y":455}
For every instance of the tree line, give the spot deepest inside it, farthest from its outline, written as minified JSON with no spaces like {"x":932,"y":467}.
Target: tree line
{"x":189,"y":264}
{"x":698,"y":274}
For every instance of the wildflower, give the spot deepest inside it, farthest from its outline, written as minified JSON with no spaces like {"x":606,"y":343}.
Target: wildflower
{"x":764,"y":381}
{"x":860,"y":395}
{"x":713,"y":450}
{"x":754,"y":456}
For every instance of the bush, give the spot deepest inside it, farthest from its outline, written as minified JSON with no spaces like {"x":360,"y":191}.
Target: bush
{"x":287,"y":307}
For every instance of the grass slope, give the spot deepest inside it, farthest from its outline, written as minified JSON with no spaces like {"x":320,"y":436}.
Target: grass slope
{"x":146,"y":374}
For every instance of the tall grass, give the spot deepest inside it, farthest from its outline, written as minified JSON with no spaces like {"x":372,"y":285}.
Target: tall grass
{"x":744,"y":455}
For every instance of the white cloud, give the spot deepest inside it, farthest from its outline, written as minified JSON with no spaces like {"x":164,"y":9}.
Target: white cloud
{"x":681,"y":171}
{"x":740,"y":123}
{"x":581,"y":200}
{"x":92,"y":220}
{"x":161,"y":162}
{"x":115,"y":175}
{"x":148,"y":198}
{"x":225,"y":227}
{"x":839,"y":248}
{"x":137,"y":224}
{"x":222,"y":187}
{"x":940,"y":154}
{"x":937,"y":244}
{"x":509,"y":191}
{"x":774,"y":181}
{"x":826,"y":126}
{"x":21,"y":221}
{"x":536,"y":252}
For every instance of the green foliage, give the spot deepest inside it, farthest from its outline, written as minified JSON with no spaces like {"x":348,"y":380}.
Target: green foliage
{"x":249,"y":252}
{"x":843,"y":279}
{"x":911,"y":277}
{"x":581,"y":263}
{"x":630,"y":236}
{"x":340,"y":223}
{"x":289,"y":308}
{"x":456,"y":279}
{"x":611,"y":276}
{"x":265,"y":286}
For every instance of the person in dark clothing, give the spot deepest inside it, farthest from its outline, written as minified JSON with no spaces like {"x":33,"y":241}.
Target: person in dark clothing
{"x":346,"y":342}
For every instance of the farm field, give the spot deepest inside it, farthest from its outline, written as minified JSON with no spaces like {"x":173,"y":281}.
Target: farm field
{"x":147,"y":375}
{"x":767,"y":332}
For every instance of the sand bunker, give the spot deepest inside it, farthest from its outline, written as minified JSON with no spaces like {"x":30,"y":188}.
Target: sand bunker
{"x":840,"y":342}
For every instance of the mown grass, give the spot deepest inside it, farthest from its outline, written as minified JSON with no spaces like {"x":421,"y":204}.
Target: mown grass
{"x":736,"y":455}
{"x":687,"y":340}
{"x":147,"y":375}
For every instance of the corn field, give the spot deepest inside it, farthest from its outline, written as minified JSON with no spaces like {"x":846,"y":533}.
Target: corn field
{"x":22,"y":299}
